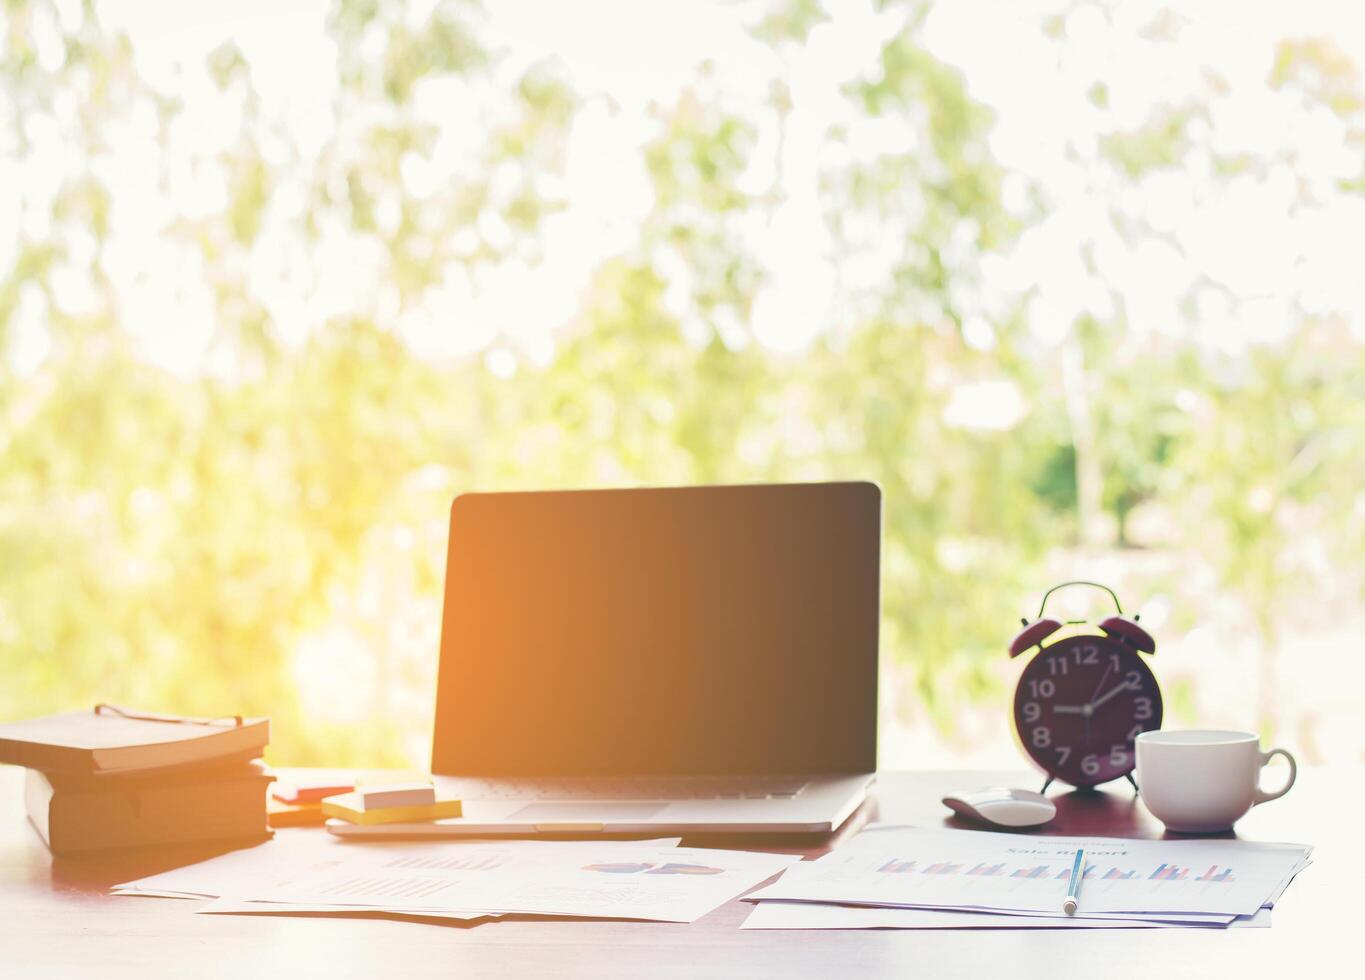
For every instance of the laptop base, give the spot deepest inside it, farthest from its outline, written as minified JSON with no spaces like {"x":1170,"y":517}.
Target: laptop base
{"x":821,"y":806}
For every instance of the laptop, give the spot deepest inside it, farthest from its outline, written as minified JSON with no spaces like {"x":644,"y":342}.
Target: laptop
{"x":675,"y":660}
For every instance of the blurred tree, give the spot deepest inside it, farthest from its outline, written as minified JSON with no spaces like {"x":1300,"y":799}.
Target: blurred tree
{"x":242,"y":375}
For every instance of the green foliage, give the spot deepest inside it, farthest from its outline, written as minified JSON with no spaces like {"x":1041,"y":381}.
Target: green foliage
{"x":174,"y":540}
{"x":1160,"y":144}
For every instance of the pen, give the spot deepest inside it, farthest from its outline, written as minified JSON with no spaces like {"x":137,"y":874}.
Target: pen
{"x":1073,"y":888}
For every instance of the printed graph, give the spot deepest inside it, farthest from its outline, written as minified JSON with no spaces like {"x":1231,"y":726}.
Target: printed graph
{"x":988,"y":870}
{"x":619,"y":867}
{"x":1114,"y":874}
{"x":685,"y":869}
{"x":387,"y":887}
{"x":953,"y":870}
{"x":943,"y":868}
{"x":1213,"y":874}
{"x":1089,"y":872}
{"x":486,"y":862}
{"x":1002,"y":869}
{"x":649,"y":868}
{"x":1168,"y":872}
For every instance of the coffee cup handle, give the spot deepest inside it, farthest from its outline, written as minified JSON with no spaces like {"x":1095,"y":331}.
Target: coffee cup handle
{"x":1261,"y":795}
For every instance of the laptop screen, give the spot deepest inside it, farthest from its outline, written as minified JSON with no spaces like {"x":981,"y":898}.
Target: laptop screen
{"x":679,"y":631}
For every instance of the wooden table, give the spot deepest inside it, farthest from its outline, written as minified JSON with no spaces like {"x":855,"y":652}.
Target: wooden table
{"x":56,"y":920}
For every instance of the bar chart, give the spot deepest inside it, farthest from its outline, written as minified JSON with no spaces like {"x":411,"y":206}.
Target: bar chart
{"x":1161,"y":873}
{"x":1168,"y":872}
{"x":988,"y":870}
{"x":1090,"y":872}
{"x":478,"y":862}
{"x":982,"y":870}
{"x":943,"y":868}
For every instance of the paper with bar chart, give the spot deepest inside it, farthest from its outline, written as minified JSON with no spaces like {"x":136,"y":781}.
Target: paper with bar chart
{"x":598,"y":879}
{"x":818,"y":915}
{"x":914,"y":868}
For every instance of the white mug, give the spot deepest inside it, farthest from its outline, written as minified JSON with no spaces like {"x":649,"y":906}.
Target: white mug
{"x":1201,"y":782}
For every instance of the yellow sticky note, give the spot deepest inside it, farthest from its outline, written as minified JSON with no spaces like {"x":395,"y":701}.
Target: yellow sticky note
{"x":350,"y":807}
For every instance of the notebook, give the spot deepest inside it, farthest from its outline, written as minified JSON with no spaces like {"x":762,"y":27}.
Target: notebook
{"x":117,"y":740}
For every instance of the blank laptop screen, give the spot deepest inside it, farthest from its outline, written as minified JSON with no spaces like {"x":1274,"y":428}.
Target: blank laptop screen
{"x":661,"y":631}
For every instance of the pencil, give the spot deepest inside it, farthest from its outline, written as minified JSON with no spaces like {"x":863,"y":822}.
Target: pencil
{"x":1073,"y":888}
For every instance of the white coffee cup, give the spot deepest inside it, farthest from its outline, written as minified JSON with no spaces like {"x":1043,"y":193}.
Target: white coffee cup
{"x":1201,"y":782}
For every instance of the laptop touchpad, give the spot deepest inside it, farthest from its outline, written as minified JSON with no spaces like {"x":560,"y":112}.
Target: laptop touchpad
{"x":585,"y":812}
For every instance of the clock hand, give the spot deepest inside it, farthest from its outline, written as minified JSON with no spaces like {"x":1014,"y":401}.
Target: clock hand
{"x":1069,"y":709}
{"x":1104,"y":677}
{"x":1113,"y":692}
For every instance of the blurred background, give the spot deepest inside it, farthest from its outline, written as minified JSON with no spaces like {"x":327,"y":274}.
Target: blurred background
{"x":1082,"y":286}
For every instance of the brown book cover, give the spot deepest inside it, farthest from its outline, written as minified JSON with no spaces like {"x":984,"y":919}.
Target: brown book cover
{"x":75,"y":814}
{"x":114,"y":739}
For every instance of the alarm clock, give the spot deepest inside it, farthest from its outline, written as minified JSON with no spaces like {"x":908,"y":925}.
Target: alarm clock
{"x":1084,"y":698}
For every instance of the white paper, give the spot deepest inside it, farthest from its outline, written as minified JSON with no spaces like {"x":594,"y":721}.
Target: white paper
{"x":228,"y":873}
{"x":971,"y":870}
{"x":812,"y":915}
{"x":1261,"y":920}
{"x":581,"y":878}
{"x":288,"y":856}
{"x":236,"y":906}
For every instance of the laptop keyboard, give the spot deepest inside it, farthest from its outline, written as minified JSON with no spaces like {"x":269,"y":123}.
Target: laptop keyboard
{"x":630,"y":788}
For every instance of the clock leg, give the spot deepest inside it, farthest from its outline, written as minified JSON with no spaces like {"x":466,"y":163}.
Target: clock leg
{"x":1129,"y":777}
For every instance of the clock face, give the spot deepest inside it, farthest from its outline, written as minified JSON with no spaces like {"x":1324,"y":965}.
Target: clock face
{"x":1080,"y":705}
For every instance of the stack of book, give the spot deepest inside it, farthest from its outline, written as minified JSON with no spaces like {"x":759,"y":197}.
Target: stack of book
{"x":111,"y":778}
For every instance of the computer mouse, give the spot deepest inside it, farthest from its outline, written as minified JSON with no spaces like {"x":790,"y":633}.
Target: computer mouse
{"x":1003,"y":807}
